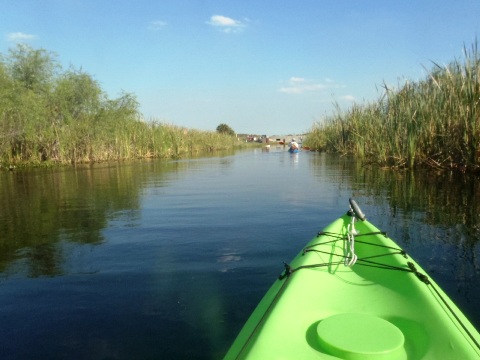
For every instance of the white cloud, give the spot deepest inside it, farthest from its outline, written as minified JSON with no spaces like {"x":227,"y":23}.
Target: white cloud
{"x":298,"y":85}
{"x":19,"y":36}
{"x":219,"y":20}
{"x":226,"y":24}
{"x":157,"y":25}
{"x":348,"y":98}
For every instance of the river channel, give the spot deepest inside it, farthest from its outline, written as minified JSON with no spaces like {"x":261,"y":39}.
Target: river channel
{"x":166,"y":259}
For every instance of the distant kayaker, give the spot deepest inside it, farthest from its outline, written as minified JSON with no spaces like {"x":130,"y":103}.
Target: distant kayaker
{"x":293,"y":145}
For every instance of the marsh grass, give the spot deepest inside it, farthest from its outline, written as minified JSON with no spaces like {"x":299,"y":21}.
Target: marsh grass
{"x":135,"y":140}
{"x":49,"y":116}
{"x":434,"y":122}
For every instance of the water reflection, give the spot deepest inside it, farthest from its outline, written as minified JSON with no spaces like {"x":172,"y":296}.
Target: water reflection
{"x":48,"y":207}
{"x":436,"y":198}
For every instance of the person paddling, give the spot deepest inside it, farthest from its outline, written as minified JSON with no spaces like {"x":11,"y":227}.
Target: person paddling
{"x":293,"y":145}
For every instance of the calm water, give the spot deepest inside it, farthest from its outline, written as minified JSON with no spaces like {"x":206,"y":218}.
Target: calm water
{"x":166,"y":260}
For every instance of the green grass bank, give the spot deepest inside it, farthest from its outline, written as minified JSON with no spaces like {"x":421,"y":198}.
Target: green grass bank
{"x":433,"y":122}
{"x":52,"y":116}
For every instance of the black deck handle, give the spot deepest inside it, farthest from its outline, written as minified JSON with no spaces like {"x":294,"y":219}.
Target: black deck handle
{"x":356,"y":209}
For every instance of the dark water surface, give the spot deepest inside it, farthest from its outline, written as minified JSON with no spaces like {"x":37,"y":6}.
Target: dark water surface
{"x":166,"y":260}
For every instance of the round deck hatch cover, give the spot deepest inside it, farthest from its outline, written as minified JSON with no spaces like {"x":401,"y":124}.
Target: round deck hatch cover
{"x":361,"y":336}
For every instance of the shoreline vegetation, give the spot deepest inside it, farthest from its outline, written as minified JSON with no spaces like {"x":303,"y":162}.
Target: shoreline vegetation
{"x":50,"y":116}
{"x":431,"y":123}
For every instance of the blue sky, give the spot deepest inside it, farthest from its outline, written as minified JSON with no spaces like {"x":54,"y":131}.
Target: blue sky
{"x":269,"y":67}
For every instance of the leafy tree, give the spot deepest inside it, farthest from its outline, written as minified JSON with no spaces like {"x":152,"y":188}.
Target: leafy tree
{"x":77,"y":95}
{"x":126,"y":106}
{"x":34,"y":69}
{"x":225,"y":129}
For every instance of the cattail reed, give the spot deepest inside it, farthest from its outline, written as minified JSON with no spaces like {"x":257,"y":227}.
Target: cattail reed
{"x":434,"y":122}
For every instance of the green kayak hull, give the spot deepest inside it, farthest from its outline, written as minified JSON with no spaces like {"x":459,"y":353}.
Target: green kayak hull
{"x":385,"y":306}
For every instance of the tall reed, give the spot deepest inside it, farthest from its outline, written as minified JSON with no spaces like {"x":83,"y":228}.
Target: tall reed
{"x":50,"y":116}
{"x":433,"y":122}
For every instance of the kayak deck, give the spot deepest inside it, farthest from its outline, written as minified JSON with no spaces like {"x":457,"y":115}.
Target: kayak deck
{"x":383,"y":307}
